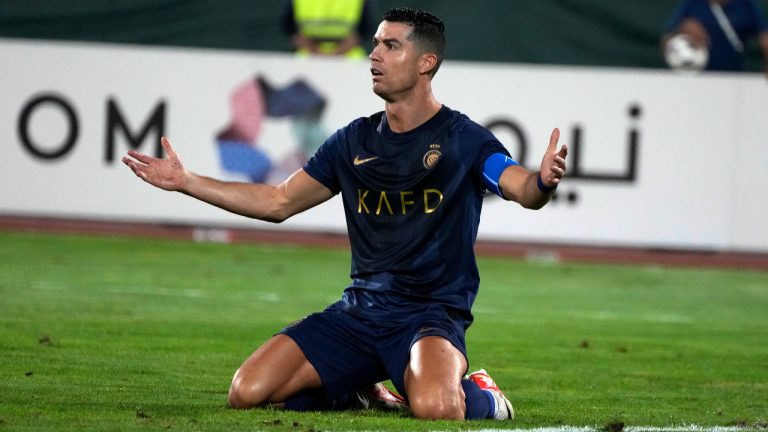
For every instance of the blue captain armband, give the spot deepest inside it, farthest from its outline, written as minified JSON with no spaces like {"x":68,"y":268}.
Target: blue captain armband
{"x":492,"y":169}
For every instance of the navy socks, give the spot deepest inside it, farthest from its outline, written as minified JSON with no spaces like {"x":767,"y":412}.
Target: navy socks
{"x":480,"y":404}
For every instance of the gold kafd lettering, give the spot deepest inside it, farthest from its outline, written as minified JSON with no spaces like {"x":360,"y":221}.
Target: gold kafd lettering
{"x":399,"y":202}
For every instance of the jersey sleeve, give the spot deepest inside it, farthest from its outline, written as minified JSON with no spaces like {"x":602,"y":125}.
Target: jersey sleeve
{"x":494,"y":167}
{"x":488,"y":149}
{"x":322,"y":165}
{"x":486,"y":145}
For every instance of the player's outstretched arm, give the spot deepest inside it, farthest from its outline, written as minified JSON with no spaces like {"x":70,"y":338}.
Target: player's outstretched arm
{"x":533,"y":189}
{"x":259,"y":201}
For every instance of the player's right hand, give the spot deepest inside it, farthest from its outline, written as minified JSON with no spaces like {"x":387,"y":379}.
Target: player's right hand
{"x":168,"y":173}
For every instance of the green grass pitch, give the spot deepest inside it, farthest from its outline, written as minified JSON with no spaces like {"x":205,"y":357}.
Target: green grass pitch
{"x":106,"y":333}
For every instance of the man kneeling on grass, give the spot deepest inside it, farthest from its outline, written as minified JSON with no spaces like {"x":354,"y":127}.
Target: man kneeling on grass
{"x":412,"y":179}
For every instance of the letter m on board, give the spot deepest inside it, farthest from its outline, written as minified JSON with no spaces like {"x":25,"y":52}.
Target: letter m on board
{"x":116,"y":121}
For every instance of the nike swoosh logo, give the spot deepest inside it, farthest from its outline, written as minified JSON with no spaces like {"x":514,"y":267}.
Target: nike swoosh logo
{"x":359,"y":161}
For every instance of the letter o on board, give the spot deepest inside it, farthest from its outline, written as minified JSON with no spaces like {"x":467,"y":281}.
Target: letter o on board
{"x":69,"y":113}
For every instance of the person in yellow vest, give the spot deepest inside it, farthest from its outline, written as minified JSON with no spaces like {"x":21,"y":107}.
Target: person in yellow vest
{"x":328,"y":27}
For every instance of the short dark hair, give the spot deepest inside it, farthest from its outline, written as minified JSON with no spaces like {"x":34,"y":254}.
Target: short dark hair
{"x":428,"y":30}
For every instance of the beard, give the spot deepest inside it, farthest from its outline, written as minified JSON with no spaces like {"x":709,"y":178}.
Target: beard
{"x":382,"y":93}
{"x":393,"y":93}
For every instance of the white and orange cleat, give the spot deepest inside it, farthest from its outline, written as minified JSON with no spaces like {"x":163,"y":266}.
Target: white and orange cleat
{"x":502,"y":409}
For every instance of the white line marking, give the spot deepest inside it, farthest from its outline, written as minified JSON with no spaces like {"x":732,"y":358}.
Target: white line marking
{"x":687,"y":428}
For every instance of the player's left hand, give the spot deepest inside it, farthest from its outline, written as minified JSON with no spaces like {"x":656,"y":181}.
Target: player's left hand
{"x":553,"y":165}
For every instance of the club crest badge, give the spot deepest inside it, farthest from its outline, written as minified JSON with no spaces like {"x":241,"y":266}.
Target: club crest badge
{"x":432,"y":156}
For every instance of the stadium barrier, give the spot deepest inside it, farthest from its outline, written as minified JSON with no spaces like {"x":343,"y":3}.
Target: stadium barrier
{"x":657,"y":159}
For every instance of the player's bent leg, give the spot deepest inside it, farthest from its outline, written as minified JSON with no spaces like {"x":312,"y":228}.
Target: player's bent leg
{"x":272,"y":374}
{"x":433,"y":379}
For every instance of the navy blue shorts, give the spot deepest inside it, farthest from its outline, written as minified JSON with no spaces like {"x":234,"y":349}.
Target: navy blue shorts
{"x":350,"y":352}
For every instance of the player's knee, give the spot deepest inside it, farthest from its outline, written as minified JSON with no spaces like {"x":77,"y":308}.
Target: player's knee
{"x":437,"y":407}
{"x":246,"y":394}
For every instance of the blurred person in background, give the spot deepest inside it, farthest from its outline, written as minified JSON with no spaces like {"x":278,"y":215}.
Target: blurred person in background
{"x":724,"y":27}
{"x":328,"y":27}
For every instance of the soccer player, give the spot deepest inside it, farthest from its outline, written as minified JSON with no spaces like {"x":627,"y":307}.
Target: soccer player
{"x":412,"y":180}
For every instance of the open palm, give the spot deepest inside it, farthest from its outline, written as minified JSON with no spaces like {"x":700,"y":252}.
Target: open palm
{"x":168,"y":173}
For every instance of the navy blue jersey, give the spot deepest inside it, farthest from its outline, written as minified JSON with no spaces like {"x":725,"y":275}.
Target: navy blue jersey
{"x":412,"y":202}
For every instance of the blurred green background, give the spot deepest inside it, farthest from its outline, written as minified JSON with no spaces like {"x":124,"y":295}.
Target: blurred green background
{"x":567,"y":32}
